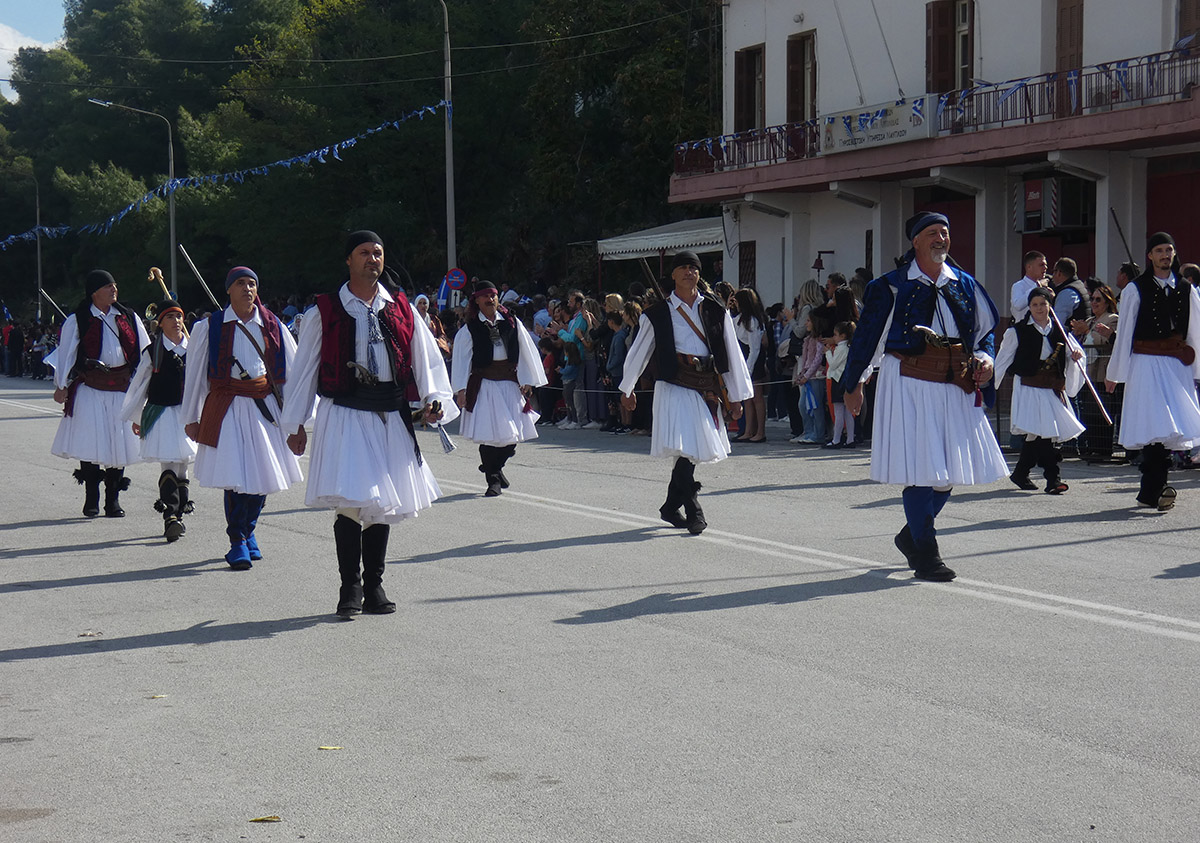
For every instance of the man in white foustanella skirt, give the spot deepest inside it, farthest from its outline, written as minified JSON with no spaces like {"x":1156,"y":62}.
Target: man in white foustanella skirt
{"x":929,"y":328}
{"x":98,"y":351}
{"x":494,"y":370}
{"x":152,"y":406}
{"x":700,"y":376}
{"x":237,"y":364}
{"x":1154,"y":355}
{"x":366,"y":351}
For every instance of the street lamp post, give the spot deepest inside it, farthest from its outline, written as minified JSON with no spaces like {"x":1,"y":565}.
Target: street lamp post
{"x":451,"y":248}
{"x":170,"y":177}
{"x":37,"y":205}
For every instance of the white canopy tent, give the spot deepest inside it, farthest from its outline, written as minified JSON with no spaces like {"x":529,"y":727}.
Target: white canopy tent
{"x":703,"y":235}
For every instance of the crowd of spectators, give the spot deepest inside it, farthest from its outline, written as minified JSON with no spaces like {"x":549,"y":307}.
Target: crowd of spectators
{"x":791,"y":351}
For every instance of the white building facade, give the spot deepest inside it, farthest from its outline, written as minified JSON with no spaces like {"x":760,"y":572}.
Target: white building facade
{"x":1054,"y":125}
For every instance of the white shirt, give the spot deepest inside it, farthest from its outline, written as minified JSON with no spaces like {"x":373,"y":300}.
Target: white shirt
{"x":737,"y":381}
{"x":111,"y":353}
{"x":1019,"y":300}
{"x":429,"y":370}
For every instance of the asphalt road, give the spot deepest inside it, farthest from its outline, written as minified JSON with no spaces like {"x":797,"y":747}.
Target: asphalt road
{"x":564,"y":667}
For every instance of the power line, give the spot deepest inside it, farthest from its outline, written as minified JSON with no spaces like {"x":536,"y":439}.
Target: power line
{"x":335,"y":85}
{"x":366,"y":59}
{"x":368,"y":84}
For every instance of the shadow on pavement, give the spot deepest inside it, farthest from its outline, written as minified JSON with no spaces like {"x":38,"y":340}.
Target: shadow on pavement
{"x":1191,"y":569}
{"x":502,"y":547}
{"x":692,"y":601}
{"x":184,"y":569}
{"x":201,"y":633}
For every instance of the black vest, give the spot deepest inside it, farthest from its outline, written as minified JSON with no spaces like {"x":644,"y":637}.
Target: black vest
{"x":481,"y":341}
{"x":1028,"y":360}
{"x":166,"y":380}
{"x":1162,"y":312}
{"x":1083,"y":308}
{"x":712,"y":318}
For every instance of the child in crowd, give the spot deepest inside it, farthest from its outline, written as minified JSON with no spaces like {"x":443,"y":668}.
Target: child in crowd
{"x":835,"y":359}
{"x":570,"y":371}
{"x":810,"y":378}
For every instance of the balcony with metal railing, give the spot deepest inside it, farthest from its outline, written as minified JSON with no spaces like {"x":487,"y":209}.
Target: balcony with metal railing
{"x":1129,"y":83}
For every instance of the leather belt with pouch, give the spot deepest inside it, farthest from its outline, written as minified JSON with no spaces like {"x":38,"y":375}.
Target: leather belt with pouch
{"x":1046,"y":378}
{"x":497,"y":370}
{"x":1172,"y":346}
{"x":951,"y":364}
{"x":699,"y":374}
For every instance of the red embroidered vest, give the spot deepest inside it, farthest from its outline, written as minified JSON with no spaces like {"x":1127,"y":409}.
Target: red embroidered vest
{"x":334,"y":377}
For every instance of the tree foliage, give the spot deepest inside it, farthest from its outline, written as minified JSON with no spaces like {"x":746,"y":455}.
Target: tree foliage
{"x":565,"y":114}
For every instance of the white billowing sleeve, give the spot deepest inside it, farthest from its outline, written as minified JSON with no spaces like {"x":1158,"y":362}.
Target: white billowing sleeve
{"x":300,"y":391}
{"x":429,"y":369}
{"x":1006,"y":355}
{"x":737,"y":380}
{"x":1074,"y":370}
{"x":639,"y":355}
{"x":68,"y":347}
{"x":1127,"y":308}
{"x":195,"y":381}
{"x":985,"y":322}
{"x":1193,"y":337}
{"x":529,"y":363}
{"x":135,"y":396}
{"x":460,"y":360}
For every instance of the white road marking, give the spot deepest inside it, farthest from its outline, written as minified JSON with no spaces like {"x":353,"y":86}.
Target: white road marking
{"x":57,"y":412}
{"x":1039,"y":601}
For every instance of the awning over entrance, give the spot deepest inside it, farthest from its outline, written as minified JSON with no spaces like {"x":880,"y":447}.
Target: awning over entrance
{"x":703,"y":235}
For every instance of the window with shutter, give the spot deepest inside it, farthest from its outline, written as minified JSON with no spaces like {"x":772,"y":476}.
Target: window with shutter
{"x":940,"y":52}
{"x":747,"y":263}
{"x":802,"y":77}
{"x":749,"y":91}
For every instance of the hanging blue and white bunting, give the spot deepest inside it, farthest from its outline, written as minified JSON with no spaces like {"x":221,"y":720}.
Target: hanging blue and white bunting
{"x":238,"y":176}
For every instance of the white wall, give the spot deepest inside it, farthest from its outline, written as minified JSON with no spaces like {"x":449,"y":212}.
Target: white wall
{"x":1014,"y":39}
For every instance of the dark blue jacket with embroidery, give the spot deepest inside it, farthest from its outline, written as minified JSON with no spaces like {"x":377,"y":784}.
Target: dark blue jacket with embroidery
{"x":914,"y":303}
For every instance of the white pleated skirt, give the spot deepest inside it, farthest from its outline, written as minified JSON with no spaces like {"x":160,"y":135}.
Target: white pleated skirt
{"x":683,"y":426}
{"x":362,"y":461}
{"x":252,"y":456}
{"x":95,"y":431}
{"x":166,"y":441}
{"x":1160,"y":404}
{"x":930,"y":434}
{"x":1042,"y":413}
{"x":497,"y":418}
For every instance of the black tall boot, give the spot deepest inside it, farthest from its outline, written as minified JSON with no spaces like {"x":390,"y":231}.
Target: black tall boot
{"x":115,"y":482}
{"x":691,"y":508}
{"x":374,"y":558}
{"x":347,"y":536}
{"x":503,"y":455}
{"x":677,"y":492}
{"x":185,"y":504}
{"x":1050,"y":461}
{"x":489,"y":462}
{"x":88,"y":475}
{"x":168,"y":505}
{"x":1156,"y":464}
{"x":1025,"y":463}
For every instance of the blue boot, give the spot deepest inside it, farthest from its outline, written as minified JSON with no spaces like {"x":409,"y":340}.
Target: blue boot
{"x":254,"y":506}
{"x":238,"y":556}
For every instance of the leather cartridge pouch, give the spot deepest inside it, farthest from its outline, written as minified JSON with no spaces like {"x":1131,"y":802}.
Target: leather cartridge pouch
{"x":951,"y":364}
{"x":1172,"y":346}
{"x":699,"y":374}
